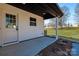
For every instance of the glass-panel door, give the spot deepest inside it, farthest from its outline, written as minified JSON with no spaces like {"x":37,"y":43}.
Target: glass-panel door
{"x":10,"y":28}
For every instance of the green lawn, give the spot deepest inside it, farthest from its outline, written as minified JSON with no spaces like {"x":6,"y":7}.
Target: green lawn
{"x":65,"y":32}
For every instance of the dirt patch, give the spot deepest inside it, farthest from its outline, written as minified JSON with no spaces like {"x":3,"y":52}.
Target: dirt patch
{"x":60,"y":48}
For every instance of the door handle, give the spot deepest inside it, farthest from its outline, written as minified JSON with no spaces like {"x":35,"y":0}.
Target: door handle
{"x":17,"y":28}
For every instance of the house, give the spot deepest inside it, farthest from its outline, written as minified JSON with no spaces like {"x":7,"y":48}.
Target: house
{"x":24,"y":21}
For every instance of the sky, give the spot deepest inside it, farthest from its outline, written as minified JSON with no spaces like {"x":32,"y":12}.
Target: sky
{"x":71,"y":7}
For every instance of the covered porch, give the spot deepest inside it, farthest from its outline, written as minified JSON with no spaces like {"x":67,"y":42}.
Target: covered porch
{"x":27,"y":48}
{"x":34,"y":46}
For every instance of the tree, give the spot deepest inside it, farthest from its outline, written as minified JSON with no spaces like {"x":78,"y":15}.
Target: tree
{"x":52,"y":22}
{"x":77,"y":13}
{"x":64,"y":18}
{"x":60,"y":22}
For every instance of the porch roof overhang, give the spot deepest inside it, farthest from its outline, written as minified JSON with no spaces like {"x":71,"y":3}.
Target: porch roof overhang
{"x":45,"y":10}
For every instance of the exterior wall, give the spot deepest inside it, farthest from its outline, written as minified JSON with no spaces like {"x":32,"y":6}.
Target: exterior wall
{"x":23,"y":20}
{"x":26,"y":31}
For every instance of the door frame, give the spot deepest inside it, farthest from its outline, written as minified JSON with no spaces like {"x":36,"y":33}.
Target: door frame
{"x":17,"y":32}
{"x":1,"y":28}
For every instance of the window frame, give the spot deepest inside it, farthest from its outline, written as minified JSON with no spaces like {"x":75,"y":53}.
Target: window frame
{"x":33,"y":21}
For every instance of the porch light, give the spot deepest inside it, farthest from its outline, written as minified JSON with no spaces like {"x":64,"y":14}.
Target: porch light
{"x":44,"y":13}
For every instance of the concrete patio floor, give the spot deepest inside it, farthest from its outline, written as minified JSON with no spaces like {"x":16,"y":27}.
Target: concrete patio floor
{"x":27,"y":48}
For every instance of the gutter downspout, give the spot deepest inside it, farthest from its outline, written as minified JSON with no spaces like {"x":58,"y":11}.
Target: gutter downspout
{"x":56,"y":28}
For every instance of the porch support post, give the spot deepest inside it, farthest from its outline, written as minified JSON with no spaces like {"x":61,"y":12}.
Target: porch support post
{"x":56,"y":28}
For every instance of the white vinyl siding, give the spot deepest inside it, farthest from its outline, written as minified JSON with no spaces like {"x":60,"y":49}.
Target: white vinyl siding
{"x":25,"y":31}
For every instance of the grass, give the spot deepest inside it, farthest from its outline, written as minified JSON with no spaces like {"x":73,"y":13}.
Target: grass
{"x":65,"y":32}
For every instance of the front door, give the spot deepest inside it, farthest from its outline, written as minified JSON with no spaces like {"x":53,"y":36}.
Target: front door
{"x":0,"y":29}
{"x":10,"y":29}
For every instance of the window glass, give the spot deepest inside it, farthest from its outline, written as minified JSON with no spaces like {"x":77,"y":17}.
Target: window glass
{"x":32,"y":21}
{"x":10,"y":21}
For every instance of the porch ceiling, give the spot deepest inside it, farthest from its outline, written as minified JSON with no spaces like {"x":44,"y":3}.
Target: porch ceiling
{"x":46,"y":10}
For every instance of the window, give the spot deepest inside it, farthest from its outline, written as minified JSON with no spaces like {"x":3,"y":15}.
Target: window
{"x":32,"y":21}
{"x":10,"y":21}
